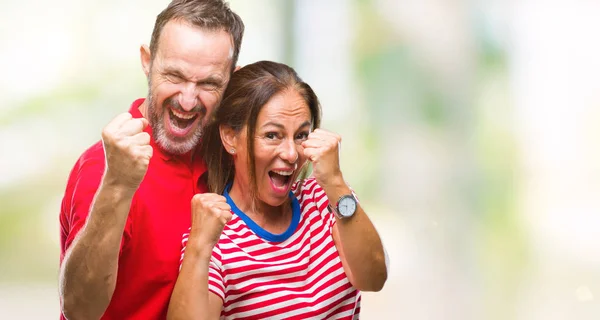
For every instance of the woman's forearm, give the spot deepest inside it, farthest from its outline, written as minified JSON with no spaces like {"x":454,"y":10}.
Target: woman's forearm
{"x":359,"y":244}
{"x":190,"y":295}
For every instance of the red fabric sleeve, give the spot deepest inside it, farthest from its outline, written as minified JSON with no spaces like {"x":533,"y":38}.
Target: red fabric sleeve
{"x":82,"y":186}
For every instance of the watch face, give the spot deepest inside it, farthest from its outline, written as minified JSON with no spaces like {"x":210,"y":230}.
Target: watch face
{"x":347,"y":206}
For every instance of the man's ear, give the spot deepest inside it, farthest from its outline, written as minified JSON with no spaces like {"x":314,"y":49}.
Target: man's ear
{"x":146,"y":58}
{"x":229,"y":138}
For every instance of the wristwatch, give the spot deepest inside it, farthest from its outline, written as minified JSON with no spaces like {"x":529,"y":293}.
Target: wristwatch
{"x":345,"y":207}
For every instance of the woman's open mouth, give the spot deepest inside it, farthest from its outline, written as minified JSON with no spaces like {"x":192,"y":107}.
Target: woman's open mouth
{"x":281,"y":179}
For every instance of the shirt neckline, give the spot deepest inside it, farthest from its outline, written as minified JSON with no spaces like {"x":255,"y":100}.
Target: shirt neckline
{"x":258,"y":230}
{"x":188,"y":158}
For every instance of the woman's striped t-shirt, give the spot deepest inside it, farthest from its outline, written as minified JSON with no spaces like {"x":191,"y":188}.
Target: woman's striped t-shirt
{"x":294,"y":275}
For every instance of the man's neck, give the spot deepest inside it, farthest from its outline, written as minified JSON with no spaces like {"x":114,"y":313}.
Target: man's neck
{"x":144,"y":108}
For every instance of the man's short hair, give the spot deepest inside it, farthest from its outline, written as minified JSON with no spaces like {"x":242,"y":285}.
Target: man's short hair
{"x":213,"y":15}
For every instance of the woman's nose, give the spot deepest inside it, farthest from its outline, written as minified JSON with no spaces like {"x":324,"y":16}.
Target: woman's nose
{"x":289,"y":151}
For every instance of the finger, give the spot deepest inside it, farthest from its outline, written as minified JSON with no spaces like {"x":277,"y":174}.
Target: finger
{"x":226,"y":217}
{"x":133,"y":126}
{"x":118,"y":121}
{"x":222,"y":206}
{"x":312,"y":154}
{"x":200,"y":198}
{"x":213,"y":198}
{"x":146,"y":151}
{"x":142,"y":139}
{"x":145,"y":123}
{"x":226,"y":207}
{"x":316,"y":135}
{"x":312,"y":143}
{"x":326,"y":135}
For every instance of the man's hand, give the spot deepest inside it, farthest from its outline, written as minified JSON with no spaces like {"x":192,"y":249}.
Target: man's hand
{"x":127,"y":150}
{"x":210,"y":213}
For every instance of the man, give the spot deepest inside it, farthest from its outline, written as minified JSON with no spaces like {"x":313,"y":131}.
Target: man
{"x":127,"y":201}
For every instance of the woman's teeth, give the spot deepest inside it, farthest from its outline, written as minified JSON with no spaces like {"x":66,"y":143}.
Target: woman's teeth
{"x":284,"y":173}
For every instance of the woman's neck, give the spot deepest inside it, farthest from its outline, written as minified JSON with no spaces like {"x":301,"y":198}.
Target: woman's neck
{"x":274,"y":219}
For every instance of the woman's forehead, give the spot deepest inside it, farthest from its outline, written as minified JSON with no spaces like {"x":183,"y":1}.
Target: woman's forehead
{"x":286,"y":104}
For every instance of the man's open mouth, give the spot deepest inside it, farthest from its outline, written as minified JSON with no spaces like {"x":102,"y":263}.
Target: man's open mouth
{"x":181,"y":120}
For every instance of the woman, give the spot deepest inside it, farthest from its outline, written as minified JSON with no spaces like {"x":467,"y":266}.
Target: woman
{"x":271,"y":246}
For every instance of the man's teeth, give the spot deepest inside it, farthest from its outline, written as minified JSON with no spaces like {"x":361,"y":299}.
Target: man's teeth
{"x":284,"y":173}
{"x":183,"y":115}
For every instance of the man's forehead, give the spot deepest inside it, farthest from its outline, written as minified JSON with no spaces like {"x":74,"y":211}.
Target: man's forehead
{"x":180,"y":40}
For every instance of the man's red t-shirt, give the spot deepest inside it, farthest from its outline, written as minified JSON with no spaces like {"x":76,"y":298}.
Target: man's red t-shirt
{"x":159,"y":215}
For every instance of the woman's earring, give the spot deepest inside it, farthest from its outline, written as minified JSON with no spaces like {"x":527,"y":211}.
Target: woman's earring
{"x":232,"y":151}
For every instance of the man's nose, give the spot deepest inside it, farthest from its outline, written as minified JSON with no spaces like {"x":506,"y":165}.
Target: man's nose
{"x":188,"y":99}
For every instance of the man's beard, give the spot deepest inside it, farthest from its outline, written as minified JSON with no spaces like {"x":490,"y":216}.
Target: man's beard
{"x":172,"y":145}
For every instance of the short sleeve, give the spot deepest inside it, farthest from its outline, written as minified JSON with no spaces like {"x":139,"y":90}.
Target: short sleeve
{"x":82,"y":186}
{"x":322,"y":202}
{"x":216,"y":284}
{"x":309,"y":190}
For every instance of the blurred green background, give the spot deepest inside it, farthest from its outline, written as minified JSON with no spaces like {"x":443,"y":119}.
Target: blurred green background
{"x":471,"y":133}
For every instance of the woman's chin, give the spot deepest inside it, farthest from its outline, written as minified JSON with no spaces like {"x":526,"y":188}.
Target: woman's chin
{"x":274,"y":199}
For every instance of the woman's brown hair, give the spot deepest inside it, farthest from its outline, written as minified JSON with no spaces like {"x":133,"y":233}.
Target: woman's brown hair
{"x":249,"y":89}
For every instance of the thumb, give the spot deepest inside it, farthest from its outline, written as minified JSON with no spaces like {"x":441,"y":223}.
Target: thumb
{"x":144,"y":123}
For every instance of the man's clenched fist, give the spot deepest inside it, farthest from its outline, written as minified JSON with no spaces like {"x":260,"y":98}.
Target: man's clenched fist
{"x":127,"y":150}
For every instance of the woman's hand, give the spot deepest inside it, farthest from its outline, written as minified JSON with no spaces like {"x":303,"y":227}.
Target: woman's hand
{"x":190,"y":298}
{"x":210,"y":213}
{"x":322,"y":148}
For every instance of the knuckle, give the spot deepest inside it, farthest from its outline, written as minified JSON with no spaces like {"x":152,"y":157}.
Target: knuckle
{"x":197,"y":198}
{"x":145,"y":136}
{"x":107,"y":135}
{"x":121,"y":144}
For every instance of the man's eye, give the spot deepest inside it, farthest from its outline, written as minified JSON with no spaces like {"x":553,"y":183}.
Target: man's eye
{"x":174,"y":78}
{"x":209,"y":85}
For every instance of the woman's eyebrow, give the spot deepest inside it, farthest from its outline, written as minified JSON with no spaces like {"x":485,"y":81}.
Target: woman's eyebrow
{"x":275,"y":124}
{"x":305,"y":124}
{"x":279,"y":125}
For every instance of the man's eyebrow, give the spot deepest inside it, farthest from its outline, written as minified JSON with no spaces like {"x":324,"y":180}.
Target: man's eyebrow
{"x":212,"y":79}
{"x":174,"y":71}
{"x":216,"y":79}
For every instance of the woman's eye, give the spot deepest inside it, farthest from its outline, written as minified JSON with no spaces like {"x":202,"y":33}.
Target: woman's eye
{"x":271,"y":135}
{"x":302,"y":136}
